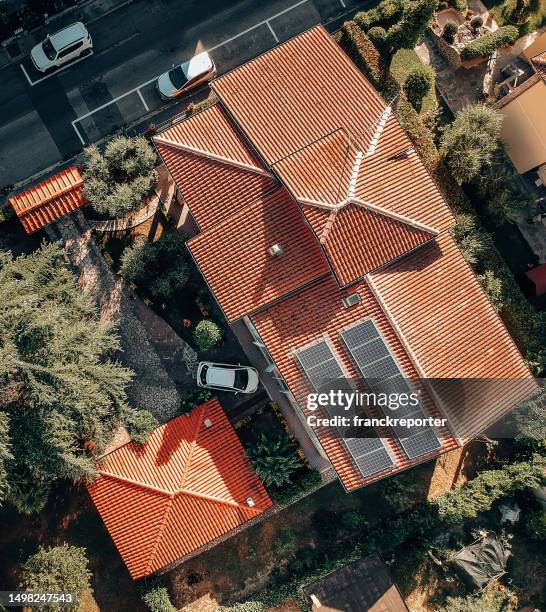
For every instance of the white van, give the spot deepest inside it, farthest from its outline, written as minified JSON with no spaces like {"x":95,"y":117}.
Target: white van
{"x":62,"y":47}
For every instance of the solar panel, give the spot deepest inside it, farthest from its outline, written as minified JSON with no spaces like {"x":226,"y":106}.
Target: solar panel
{"x":376,"y":364}
{"x":323,"y":370}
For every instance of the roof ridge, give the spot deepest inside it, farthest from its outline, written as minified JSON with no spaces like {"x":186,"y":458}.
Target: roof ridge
{"x":214,"y":156}
{"x":389,"y":213}
{"x":137,"y":483}
{"x":219,"y":500}
{"x":160,"y":532}
{"x":192,"y":449}
{"x":381,"y":122}
{"x":58,"y":193}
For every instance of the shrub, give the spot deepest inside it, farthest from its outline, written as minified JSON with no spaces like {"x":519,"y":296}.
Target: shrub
{"x":378,"y":36}
{"x":307,"y":483}
{"x":458,"y":5}
{"x":411,"y":27}
{"x":156,"y":597}
{"x":140,"y":424}
{"x":274,"y":458}
{"x":468,"y":238}
{"x":59,"y":569}
{"x":484,"y":601}
{"x":159,"y":268}
{"x":117,"y":181}
{"x":418,"y":84}
{"x":191,"y":401}
{"x":476,"y":22}
{"x":517,"y":12}
{"x":488,"y":43}
{"x":535,"y":524}
{"x":285,"y":540}
{"x":206,"y":334}
{"x":450,"y":31}
{"x":492,"y":287}
{"x":353,"y":520}
{"x":401,"y":491}
{"x":471,"y":141}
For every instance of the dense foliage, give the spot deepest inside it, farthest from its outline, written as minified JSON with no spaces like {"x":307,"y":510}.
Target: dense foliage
{"x":140,"y":424}
{"x":158,"y":268}
{"x":194,"y":399}
{"x":118,"y":181}
{"x":450,"y":31}
{"x":63,"y":569}
{"x":418,"y":84}
{"x":274,"y":458}
{"x":486,"y":44}
{"x":310,"y":481}
{"x":156,"y":597}
{"x":471,"y":141}
{"x":206,"y":334}
{"x":62,"y":393}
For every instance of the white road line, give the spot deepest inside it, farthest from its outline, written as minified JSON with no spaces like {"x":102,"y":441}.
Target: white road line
{"x":143,"y":100}
{"x":257,"y":25}
{"x":32,"y":83}
{"x":272,"y":31}
{"x":78,"y":133}
{"x":343,"y":4}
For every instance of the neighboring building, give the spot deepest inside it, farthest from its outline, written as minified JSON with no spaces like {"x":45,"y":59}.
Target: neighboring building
{"x":49,"y":200}
{"x":189,"y":485}
{"x":321,"y":229}
{"x":524,"y":126}
{"x":362,"y":586}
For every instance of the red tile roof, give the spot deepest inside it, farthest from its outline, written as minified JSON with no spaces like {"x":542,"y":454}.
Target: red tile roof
{"x":317,"y":312}
{"x":48,"y":201}
{"x":249,"y":277}
{"x":442,"y":313}
{"x":185,"y":487}
{"x":335,"y":141}
{"x":213,"y":166}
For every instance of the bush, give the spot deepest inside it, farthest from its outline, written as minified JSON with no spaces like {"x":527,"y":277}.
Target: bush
{"x":353,"y":521}
{"x":517,"y":12}
{"x":378,"y":36}
{"x":468,"y":237}
{"x":476,"y":22}
{"x":285,"y":541}
{"x":156,"y":597}
{"x":274,"y":458}
{"x":118,"y":181}
{"x":488,"y":43}
{"x":401,"y":491}
{"x":140,"y":424}
{"x":206,"y":334}
{"x":418,"y":84}
{"x":492,"y":287}
{"x":458,"y":5}
{"x":159,"y":268}
{"x":191,"y":401}
{"x":471,"y":141}
{"x":450,"y":31}
{"x":410,"y":28}
{"x":307,"y":483}
{"x":59,"y":569}
{"x":535,"y":525}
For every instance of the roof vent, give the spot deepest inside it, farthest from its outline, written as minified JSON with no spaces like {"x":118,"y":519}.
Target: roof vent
{"x":276,"y":250}
{"x":403,"y":154}
{"x":250,"y":502}
{"x":207,"y":422}
{"x":352,"y":300}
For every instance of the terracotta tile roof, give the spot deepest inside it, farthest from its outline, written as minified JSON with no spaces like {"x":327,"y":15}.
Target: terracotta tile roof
{"x":213,"y":166}
{"x":317,"y":312}
{"x":48,"y":201}
{"x":442,"y":313}
{"x":335,"y":141}
{"x":185,"y":487}
{"x":234,"y":258}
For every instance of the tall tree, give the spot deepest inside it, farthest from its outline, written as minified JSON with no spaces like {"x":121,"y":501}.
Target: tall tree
{"x":63,"y":393}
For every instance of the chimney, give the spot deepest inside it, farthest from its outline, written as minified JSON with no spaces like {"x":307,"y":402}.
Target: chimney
{"x":207,"y":422}
{"x":250,"y":502}
{"x":276,"y":250}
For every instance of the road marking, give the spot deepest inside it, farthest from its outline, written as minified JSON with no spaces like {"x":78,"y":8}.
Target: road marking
{"x":143,"y":100}
{"x":78,"y":133}
{"x":272,"y":31}
{"x":343,"y":4}
{"x":32,"y":83}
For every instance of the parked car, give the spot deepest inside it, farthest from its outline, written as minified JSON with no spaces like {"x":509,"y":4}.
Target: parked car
{"x":62,"y":47}
{"x":180,"y":79}
{"x":225,"y":377}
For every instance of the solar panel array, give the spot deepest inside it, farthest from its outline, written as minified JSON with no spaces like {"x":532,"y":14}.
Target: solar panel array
{"x":324,"y":372}
{"x":382,"y":374}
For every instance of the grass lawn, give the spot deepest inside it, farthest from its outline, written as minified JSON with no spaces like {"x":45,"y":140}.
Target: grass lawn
{"x":537,"y":20}
{"x":402,"y":63}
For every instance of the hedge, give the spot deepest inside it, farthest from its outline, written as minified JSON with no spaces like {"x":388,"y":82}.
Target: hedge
{"x":490,"y":42}
{"x":423,"y":522}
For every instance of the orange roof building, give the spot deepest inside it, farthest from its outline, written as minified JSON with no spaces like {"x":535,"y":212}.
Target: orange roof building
{"x":322,"y":230}
{"x":190,"y":484}
{"x":48,"y":201}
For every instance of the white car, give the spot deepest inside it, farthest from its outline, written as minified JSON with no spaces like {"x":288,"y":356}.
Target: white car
{"x":186,"y":76}
{"x":225,"y":377}
{"x":62,"y":47}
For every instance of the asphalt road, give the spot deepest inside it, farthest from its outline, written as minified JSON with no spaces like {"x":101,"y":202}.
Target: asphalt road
{"x":44,"y":122}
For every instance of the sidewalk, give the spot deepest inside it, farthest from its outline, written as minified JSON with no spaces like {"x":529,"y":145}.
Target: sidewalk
{"x":87,"y":11}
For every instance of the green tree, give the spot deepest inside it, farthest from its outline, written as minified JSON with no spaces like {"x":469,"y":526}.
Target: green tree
{"x":156,"y":597}
{"x":55,"y":570}
{"x":274,"y":458}
{"x":206,"y":334}
{"x":140,"y":424}
{"x":159,"y":268}
{"x":471,"y":141}
{"x":62,"y":392}
{"x":418,"y":84}
{"x":468,"y":237}
{"x":410,"y":28}
{"x":118,"y":181}
{"x":492,"y":285}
